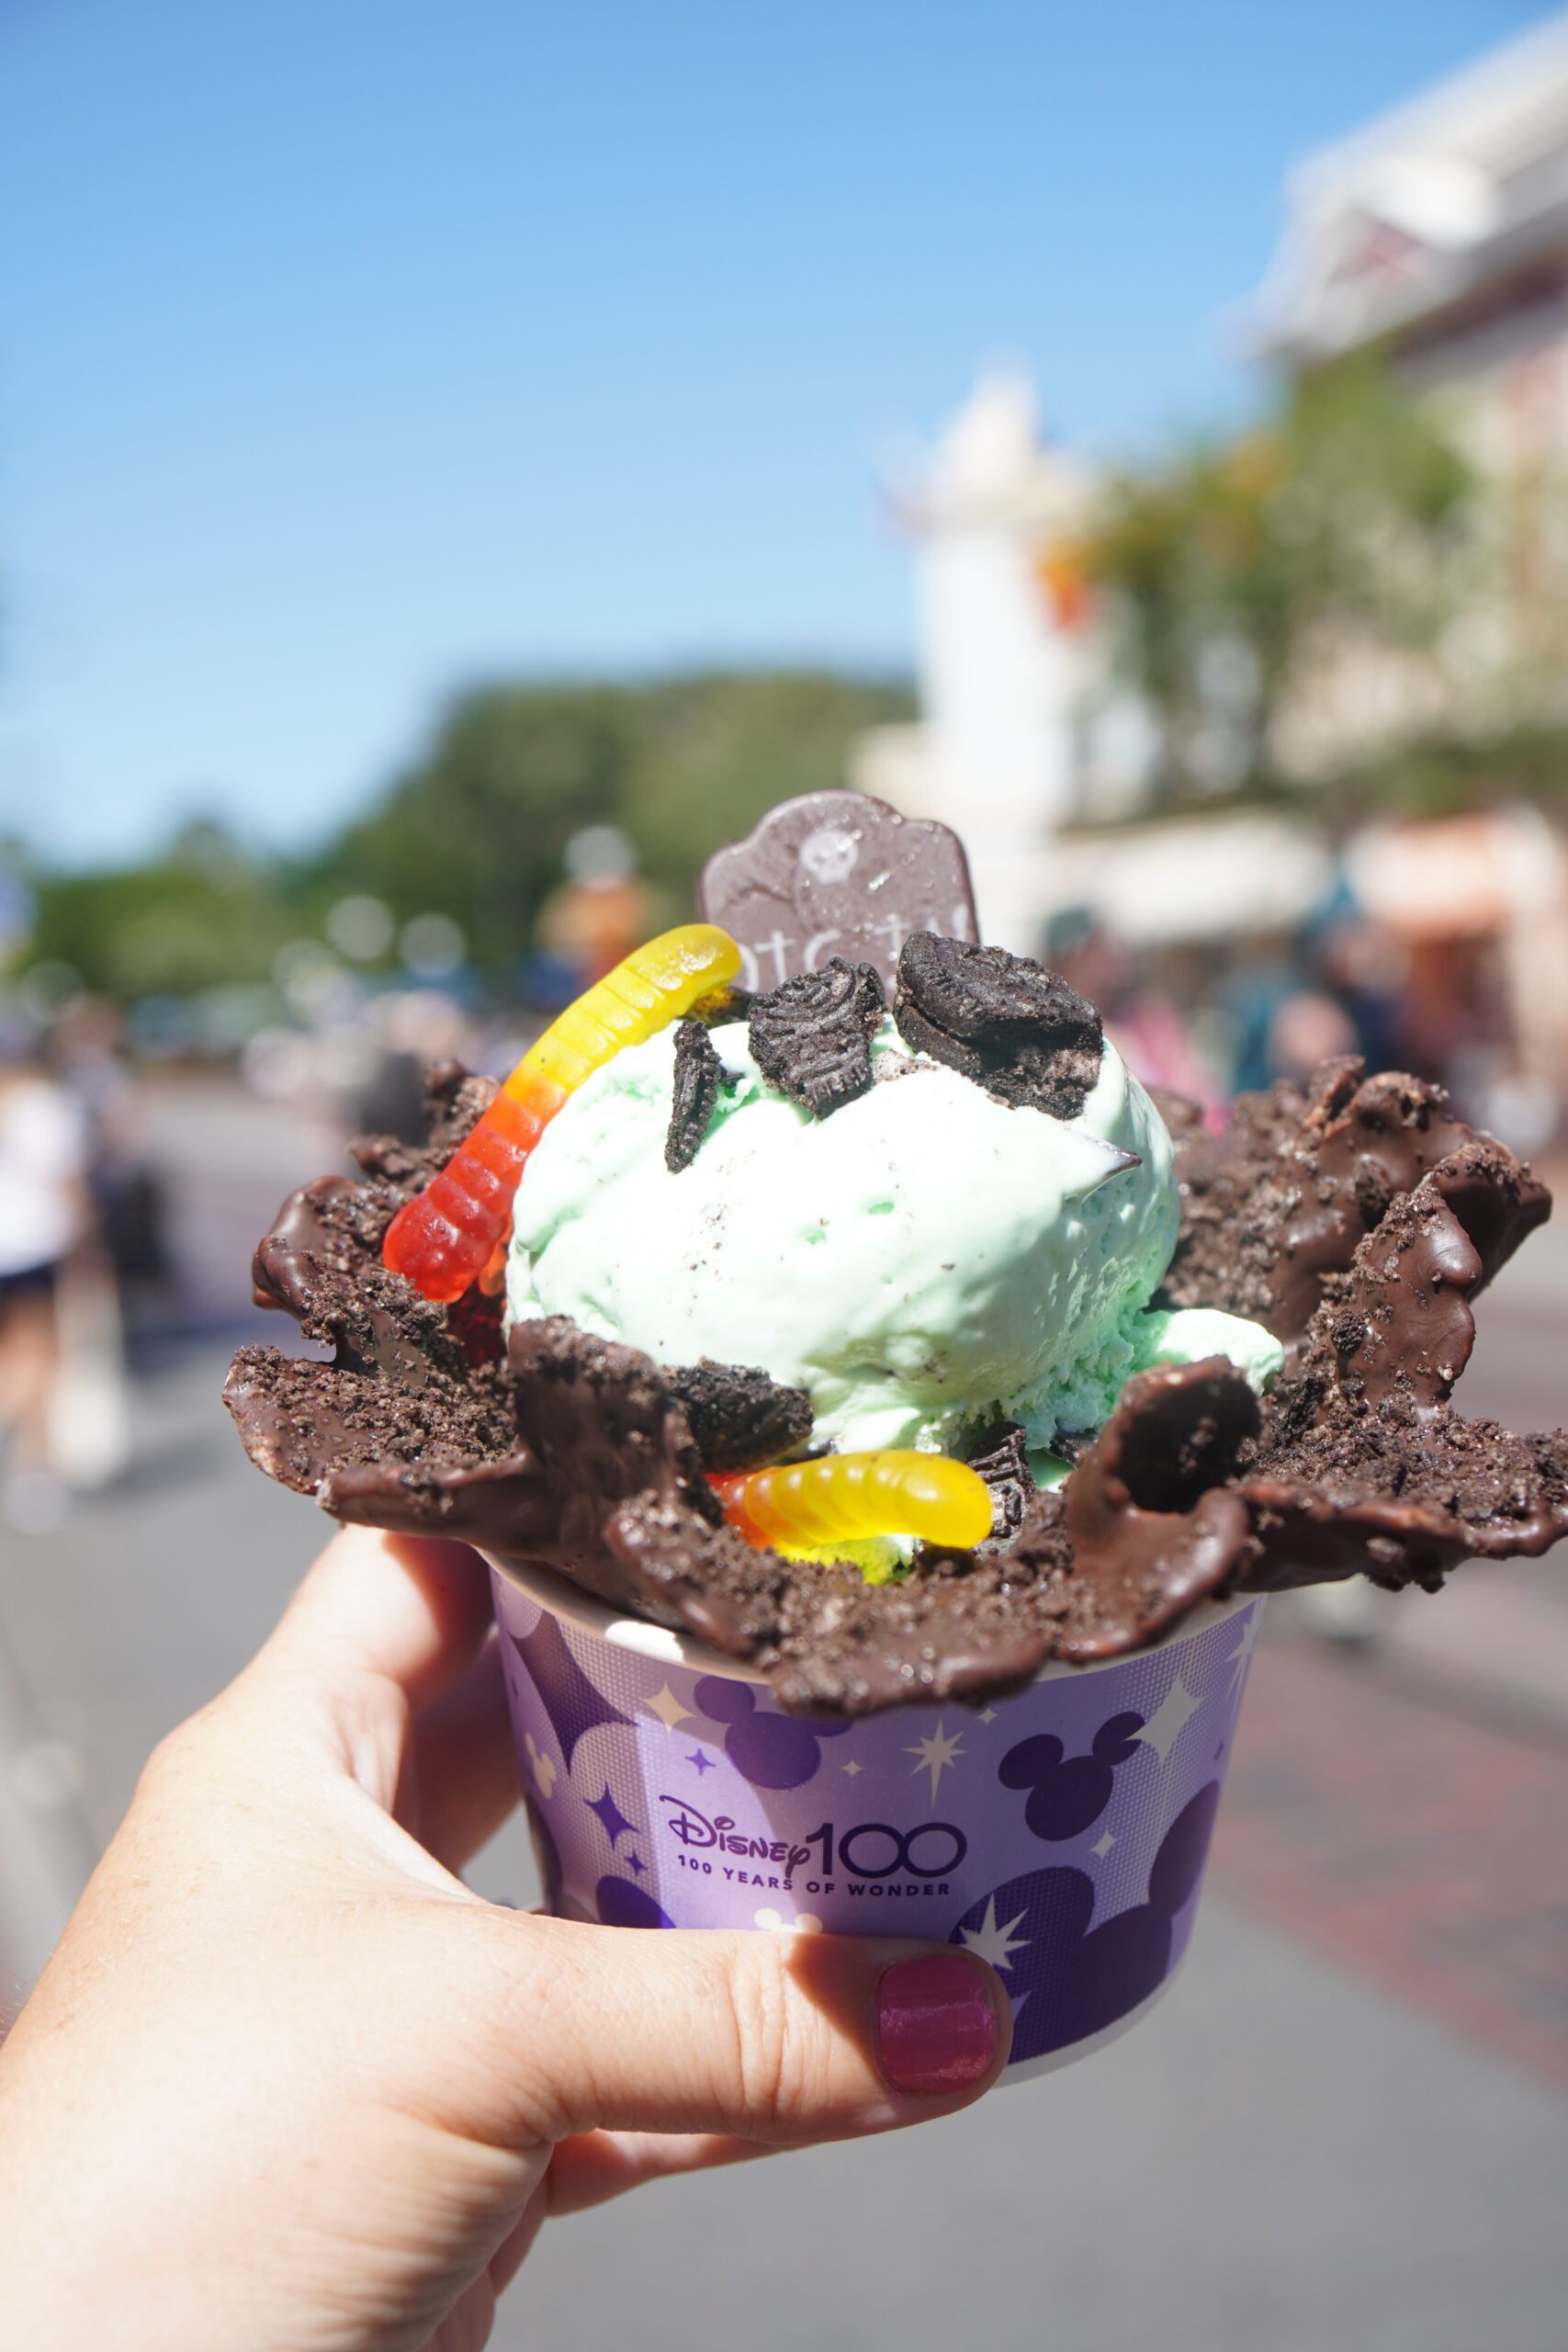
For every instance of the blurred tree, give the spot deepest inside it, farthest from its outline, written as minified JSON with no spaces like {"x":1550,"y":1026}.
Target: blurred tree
{"x":203,"y":914}
{"x":1255,"y":587}
{"x":712,"y":754}
{"x":476,"y":828}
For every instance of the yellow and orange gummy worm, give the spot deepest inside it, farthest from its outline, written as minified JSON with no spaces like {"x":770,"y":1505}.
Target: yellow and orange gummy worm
{"x":444,"y":1239}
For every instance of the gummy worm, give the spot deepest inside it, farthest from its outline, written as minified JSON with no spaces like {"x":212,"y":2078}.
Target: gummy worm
{"x":443,"y":1239}
{"x":842,"y":1496}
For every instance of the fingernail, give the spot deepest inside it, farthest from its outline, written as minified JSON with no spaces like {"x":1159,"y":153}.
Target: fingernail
{"x":936,"y":2029}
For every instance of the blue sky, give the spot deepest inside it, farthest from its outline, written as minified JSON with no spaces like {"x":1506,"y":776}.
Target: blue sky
{"x":352,"y":348}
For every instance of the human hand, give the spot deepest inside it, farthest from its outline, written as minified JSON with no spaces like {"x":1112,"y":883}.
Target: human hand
{"x":287,"y":2083}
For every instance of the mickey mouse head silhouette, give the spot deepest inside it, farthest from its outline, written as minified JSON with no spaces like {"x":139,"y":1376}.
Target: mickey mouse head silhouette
{"x":1064,"y":1798}
{"x":1068,"y":1979}
{"x":622,"y":1904}
{"x":771,"y":1751}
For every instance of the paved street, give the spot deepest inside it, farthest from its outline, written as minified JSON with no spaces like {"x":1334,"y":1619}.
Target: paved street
{"x":1348,"y":2125}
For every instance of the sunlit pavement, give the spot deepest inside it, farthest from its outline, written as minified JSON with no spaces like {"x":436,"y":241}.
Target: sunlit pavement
{"x":1403,"y":1808}
{"x":1346,"y":2126}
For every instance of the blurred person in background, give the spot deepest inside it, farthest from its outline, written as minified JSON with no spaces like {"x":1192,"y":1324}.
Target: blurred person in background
{"x":87,"y":1053}
{"x":1308,"y":1026}
{"x":1336,"y":987}
{"x":595,"y":916}
{"x":1347,"y":1001}
{"x":1265,"y":972}
{"x":45,"y":1217}
{"x":1364,"y":968}
{"x":1143,"y":1022}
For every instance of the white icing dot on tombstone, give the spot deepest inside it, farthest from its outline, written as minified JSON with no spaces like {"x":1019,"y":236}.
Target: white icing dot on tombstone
{"x":829,"y":853}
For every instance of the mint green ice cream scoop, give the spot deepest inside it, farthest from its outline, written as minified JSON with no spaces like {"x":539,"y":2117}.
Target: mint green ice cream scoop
{"x":922,"y":1260}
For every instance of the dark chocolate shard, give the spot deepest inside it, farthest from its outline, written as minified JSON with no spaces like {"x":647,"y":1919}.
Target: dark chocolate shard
{"x":607,"y":1412}
{"x":1279,"y":1202}
{"x":999,"y":1456}
{"x":406,"y":1384}
{"x":707,"y":1579}
{"x":954,"y":1632}
{"x":1362,"y":1464}
{"x":305,"y":1423}
{"x":506,"y":1504}
{"x":321,"y":1264}
{"x":836,"y":872}
{"x":812,"y":1036}
{"x":1017,"y":1030}
{"x":739,"y":1417}
{"x":827,"y":1641}
{"x":698,"y":1077}
{"x":1404,"y":1500}
{"x":1152,"y":1526}
{"x":1403,"y":1325}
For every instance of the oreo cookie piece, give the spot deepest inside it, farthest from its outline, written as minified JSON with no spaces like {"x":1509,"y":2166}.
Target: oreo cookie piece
{"x":730,"y":1003}
{"x":812,"y":1036}
{"x":1017,"y":1030}
{"x":739,"y":1417}
{"x":698,"y":1075}
{"x":999,"y":1458}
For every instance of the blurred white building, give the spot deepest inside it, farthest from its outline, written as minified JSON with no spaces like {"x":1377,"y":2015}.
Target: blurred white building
{"x":1022,"y":733}
{"x":1437,"y":238}
{"x":1005,"y":662}
{"x":1438,"y":235}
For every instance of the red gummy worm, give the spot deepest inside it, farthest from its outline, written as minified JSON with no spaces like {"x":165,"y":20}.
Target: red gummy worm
{"x":443,"y":1238}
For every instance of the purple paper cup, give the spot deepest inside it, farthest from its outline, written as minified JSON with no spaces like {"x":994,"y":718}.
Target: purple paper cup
{"x":1062,"y":1832}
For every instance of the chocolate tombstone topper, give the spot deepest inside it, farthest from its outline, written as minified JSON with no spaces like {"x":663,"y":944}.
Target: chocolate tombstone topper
{"x":836,"y":873}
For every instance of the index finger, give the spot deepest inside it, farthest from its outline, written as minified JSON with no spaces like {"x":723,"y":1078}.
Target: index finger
{"x":411,"y":1608}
